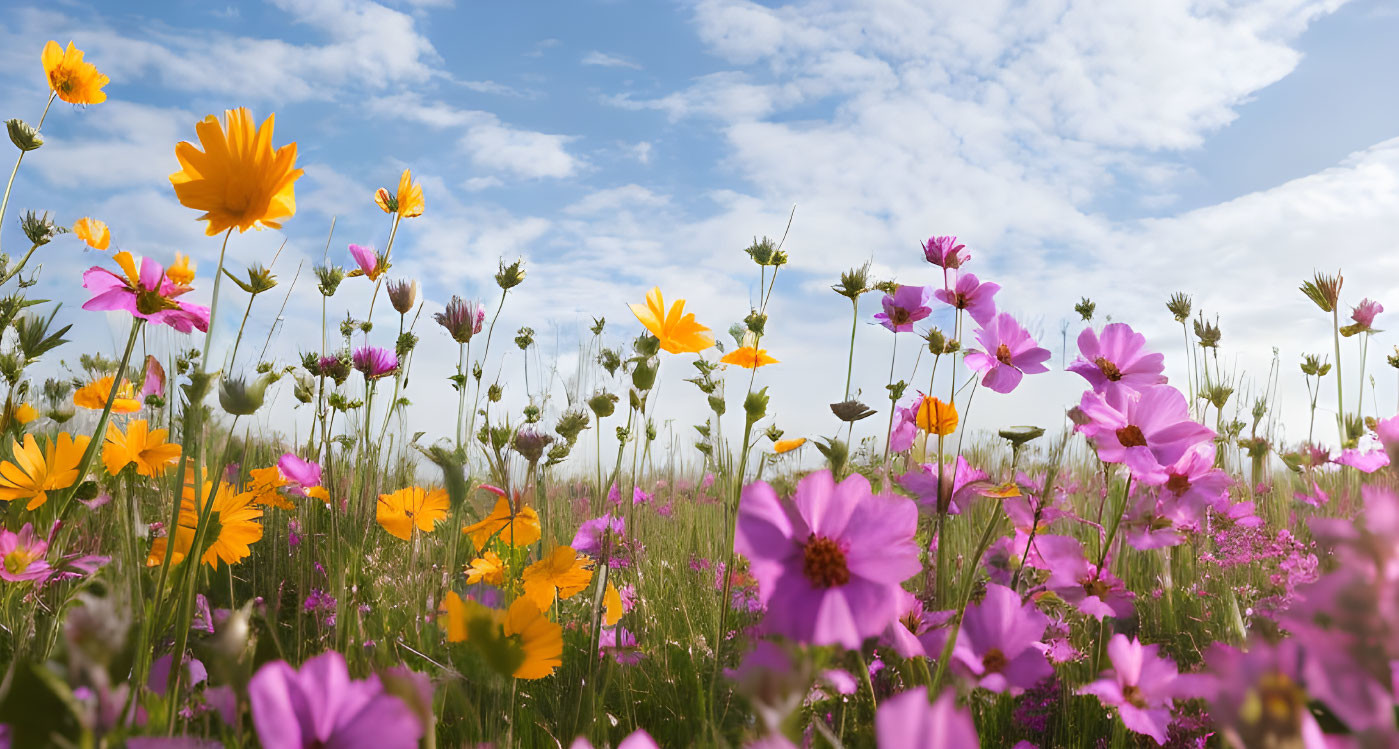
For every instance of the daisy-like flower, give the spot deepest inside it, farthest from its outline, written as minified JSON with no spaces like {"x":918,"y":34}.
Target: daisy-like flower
{"x":487,"y":569}
{"x":35,"y":472}
{"x":374,"y":362}
{"x":1140,"y":685}
{"x":321,"y":706}
{"x":93,"y":396}
{"x":1008,"y":354}
{"x":371,"y":264}
{"x":415,"y":506}
{"x":22,"y":555}
{"x":748,"y":357}
{"x":959,"y":483}
{"x":1116,"y":359}
{"x":461,"y":319}
{"x":829,"y":562}
{"x":238,"y":180}
{"x":563,"y":570}
{"x":1145,"y":432}
{"x":264,"y":485}
{"x":996,"y":646}
{"x":70,"y":77}
{"x":514,"y":529}
{"x":676,"y":329}
{"x":972,"y":295}
{"x":786,"y":446}
{"x":93,"y":232}
{"x":141,"y":445}
{"x":540,"y":640}
{"x":908,"y":721}
{"x":235,"y":527}
{"x":1079,"y":582}
{"x":407,"y":202}
{"x":906,"y":306}
{"x":591,"y":534}
{"x":147,"y":294}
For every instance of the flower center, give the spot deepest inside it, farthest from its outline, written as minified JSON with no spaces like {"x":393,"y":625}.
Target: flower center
{"x":1094,"y":586}
{"x":899,"y":316}
{"x":18,"y":561}
{"x":1109,"y":369}
{"x":1003,"y":354}
{"x":1178,"y":484}
{"x":149,"y":302}
{"x":1275,"y":702}
{"x":1133,"y":694}
{"x":823,"y":562}
{"x":1131,"y":436}
{"x":994,"y":661}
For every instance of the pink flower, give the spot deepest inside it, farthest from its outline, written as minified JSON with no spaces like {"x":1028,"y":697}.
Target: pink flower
{"x":1268,"y":673}
{"x":1141,"y":686}
{"x":907,"y":721}
{"x":22,"y":555}
{"x":1080,"y":583}
{"x":959,"y":485}
{"x":147,"y":294}
{"x":906,"y":306}
{"x":620,"y":644}
{"x":591,"y":534}
{"x":1116,"y":360}
{"x":1364,"y":313}
{"x":320,"y":706}
{"x":638,"y":739}
{"x":829,"y":562}
{"x":971,"y":295}
{"x":1145,"y":433}
{"x":945,"y":253}
{"x":1008,"y":354}
{"x":1367,"y":461}
{"x":371,"y":264}
{"x":1388,"y":432}
{"x":997,"y":644}
{"x":304,"y":473}
{"x":374,"y":362}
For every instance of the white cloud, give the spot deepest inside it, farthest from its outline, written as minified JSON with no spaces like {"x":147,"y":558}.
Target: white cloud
{"x":523,"y":153}
{"x":616,"y":199}
{"x":603,"y":59}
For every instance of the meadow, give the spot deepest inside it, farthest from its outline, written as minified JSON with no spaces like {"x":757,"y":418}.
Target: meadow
{"x":1159,"y":569}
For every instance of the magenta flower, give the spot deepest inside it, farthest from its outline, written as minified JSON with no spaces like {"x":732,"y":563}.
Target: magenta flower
{"x":147,"y":294}
{"x":461,"y":319}
{"x":1140,"y":685}
{"x":971,"y":295}
{"x":945,"y":253}
{"x":375,"y":362}
{"x":997,"y":644}
{"x":1364,"y":314}
{"x":371,"y":264}
{"x":638,"y":739}
{"x":1268,"y":674}
{"x":1080,"y":583}
{"x":1116,"y":360}
{"x":907,"y":721}
{"x":619,"y":643}
{"x":1145,"y":433}
{"x":1365,"y":461}
{"x":1009,"y":354}
{"x":828,"y":562}
{"x":304,"y":473}
{"x":22,"y":555}
{"x":1388,"y":432}
{"x":591,"y":534}
{"x":960,"y":483}
{"x":906,"y":306}
{"x":912,"y":623}
{"x":320,"y":706}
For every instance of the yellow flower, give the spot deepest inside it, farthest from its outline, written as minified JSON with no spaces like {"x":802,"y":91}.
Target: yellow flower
{"x":263,"y":486}
{"x":786,"y":446}
{"x":94,"y":232}
{"x":612,"y":608}
{"x":561,"y":570}
{"x":515,"y":530}
{"x":407,"y":202}
{"x":405,"y":508}
{"x":677,"y":331}
{"x":238,"y":180}
{"x":748,"y":357}
{"x":75,"y":81}
{"x":36,"y":472}
{"x":486,"y":569}
{"x":141,"y":445}
{"x":456,"y":615}
{"x":936,"y":417}
{"x":540,"y":639}
{"x":181,"y":272}
{"x":94,"y":396}
{"x":23,"y":413}
{"x":234,"y":528}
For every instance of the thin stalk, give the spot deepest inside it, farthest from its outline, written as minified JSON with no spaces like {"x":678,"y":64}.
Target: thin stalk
{"x":850,"y":362}
{"x":893,"y":357}
{"x":1340,"y":397}
{"x":214,"y":304}
{"x":5,"y":203}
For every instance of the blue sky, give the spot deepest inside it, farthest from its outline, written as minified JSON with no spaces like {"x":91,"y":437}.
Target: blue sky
{"x":1122,"y":151}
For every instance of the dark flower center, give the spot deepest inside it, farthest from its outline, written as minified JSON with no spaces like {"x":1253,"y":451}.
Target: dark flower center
{"x":1275,"y":705}
{"x":823,"y":563}
{"x":994,"y":661}
{"x":1109,"y":369}
{"x":1133,"y":694}
{"x":960,"y":300}
{"x":149,"y":302}
{"x":899,"y":316}
{"x":1178,"y":484}
{"x":1003,"y":354}
{"x":1094,"y":586}
{"x":1131,"y":436}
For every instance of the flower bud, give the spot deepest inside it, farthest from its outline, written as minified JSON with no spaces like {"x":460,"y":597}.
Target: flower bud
{"x":494,"y":392}
{"x":329,"y":278}
{"x":524,"y":338}
{"x":643,"y":378}
{"x":531,"y":444}
{"x":603,"y":404}
{"x":24,"y":137}
{"x":402,"y":295}
{"x":510,"y":276}
{"x":40,"y":229}
{"x":571,"y":424}
{"x":240,"y":398}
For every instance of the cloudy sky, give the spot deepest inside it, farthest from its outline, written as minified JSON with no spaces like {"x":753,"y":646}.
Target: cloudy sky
{"x":1120,"y":151}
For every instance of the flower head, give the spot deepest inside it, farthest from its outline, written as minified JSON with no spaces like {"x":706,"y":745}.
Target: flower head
{"x":676,"y":329}
{"x":22,"y":555}
{"x":972,"y":295}
{"x":94,"y":395}
{"x":403,"y":294}
{"x":374,"y":362}
{"x":93,"y":232}
{"x":181,"y":272}
{"x":1116,"y":360}
{"x":303,"y":473}
{"x":265,"y":486}
{"x":997,"y":643}
{"x":591,"y":535}
{"x":1145,"y":432}
{"x":945,"y":253}
{"x":72,"y":79}
{"x":540,"y":640}
{"x":236,"y":527}
{"x":1364,"y":316}
{"x":562,"y":570}
{"x":748,"y":357}
{"x":487,"y":568}
{"x":1008,"y":354}
{"x":959,"y":483}
{"x":238,"y":180}
{"x":935,"y":417}
{"x":141,"y":445}
{"x":1140,"y":685}
{"x":515,"y":529}
{"x":147,"y":294}
{"x":908,"y":721}
{"x":321,"y":706}
{"x":371,"y":264}
{"x":1080,"y":583}
{"x":407,"y":202}
{"x":415,"y":506}
{"x":906,"y":306}
{"x":786,"y":446}
{"x":462,"y":319}
{"x":35,"y":472}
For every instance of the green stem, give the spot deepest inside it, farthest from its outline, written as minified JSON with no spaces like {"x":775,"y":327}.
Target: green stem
{"x":1340,"y":398}
{"x":5,"y":203}
{"x":850,"y":362}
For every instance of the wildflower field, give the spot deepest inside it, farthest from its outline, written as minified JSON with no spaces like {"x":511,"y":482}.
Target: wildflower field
{"x":1157,"y":568}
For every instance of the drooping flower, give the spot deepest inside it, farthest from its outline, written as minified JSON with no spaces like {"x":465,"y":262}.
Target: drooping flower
{"x":906,"y":306}
{"x":562,"y":570}
{"x":407,"y":202}
{"x":945,"y":253}
{"x":514,"y":529}
{"x":1140,"y":685}
{"x":22,"y":555}
{"x":908,"y":721}
{"x":371,"y":264}
{"x":786,"y":446}
{"x":238,"y":180}
{"x":828,"y":562}
{"x":1116,"y":360}
{"x":972,"y":295}
{"x":35,"y":472}
{"x":374,"y":362}
{"x":997,"y":643}
{"x":235,"y":527}
{"x":462,"y":319}
{"x":141,"y":445}
{"x":935,"y":417}
{"x":413,"y":507}
{"x":1145,"y":432}
{"x":1008,"y":353}
{"x":748,"y":357}
{"x":321,"y":706}
{"x":95,"y":233}
{"x":676,"y":329}
{"x":70,"y":77}
{"x":487,"y":569}
{"x":147,"y":294}
{"x":540,"y":640}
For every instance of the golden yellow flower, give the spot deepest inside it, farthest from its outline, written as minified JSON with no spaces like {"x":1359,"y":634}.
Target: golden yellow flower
{"x":72,"y":79}
{"x":23,"y":413}
{"x":540,"y":639}
{"x":181,"y":272}
{"x":456,"y":614}
{"x":141,"y":445}
{"x":401,"y":511}
{"x":263,"y":484}
{"x":94,"y":396}
{"x":612,"y":608}
{"x":234,"y":528}
{"x":786,"y":446}
{"x":677,"y":331}
{"x":238,"y":180}
{"x":34,"y":472}
{"x":515,"y":530}
{"x":562,"y":570}
{"x":486,"y":569}
{"x":407,"y":202}
{"x":94,"y":232}
{"x":936,"y":417}
{"x":748,"y":357}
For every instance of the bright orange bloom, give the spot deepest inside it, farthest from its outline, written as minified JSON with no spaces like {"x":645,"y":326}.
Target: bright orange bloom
{"x":141,"y":445}
{"x":34,"y":472}
{"x":238,"y":180}
{"x":563,"y":570}
{"x":23,"y":413}
{"x":234,"y":528}
{"x":407,"y":202}
{"x":540,"y":639}
{"x":75,"y":81}
{"x":516,"y":530}
{"x":678,"y":331}
{"x":263,"y":485}
{"x":936,"y":417}
{"x":94,"y":232}
{"x":181,"y":272}
{"x":786,"y":446}
{"x":94,"y":396}
{"x":612,"y":608}
{"x":401,"y":511}
{"x":456,"y":615}
{"x":486,"y":569}
{"x":748,"y":357}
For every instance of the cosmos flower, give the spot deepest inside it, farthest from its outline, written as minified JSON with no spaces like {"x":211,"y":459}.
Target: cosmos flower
{"x":140,"y":445}
{"x":374,"y":362}
{"x":22,"y":555}
{"x":72,"y":79}
{"x":959,"y":481}
{"x":487,"y":568}
{"x":748,"y":357}
{"x":590,"y":535}
{"x":413,"y":507}
{"x":93,"y":396}
{"x":35,"y":472}
{"x":1257,"y":695}
{"x":676,"y":329}
{"x":93,"y":232}
{"x":945,"y":253}
{"x":1080,"y":583}
{"x":996,"y":646}
{"x":562,"y":570}
{"x":908,"y":721}
{"x":906,"y":306}
{"x":1145,"y":432}
{"x":971,"y":295}
{"x":516,"y":530}
{"x":371,"y":264}
{"x":238,"y":180}
{"x":321,"y":706}
{"x":830,"y":560}
{"x":407,"y":202}
{"x":235,"y":527}
{"x":786,"y":446}
{"x":1140,"y":685}
{"x":1116,"y":360}
{"x":620,"y":643}
{"x":461,"y":319}
{"x":147,"y":294}
{"x":1008,"y":354}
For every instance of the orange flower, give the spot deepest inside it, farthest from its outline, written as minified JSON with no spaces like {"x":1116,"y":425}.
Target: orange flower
{"x":487,"y":569}
{"x":748,"y":357}
{"x":73,"y":80}
{"x":612,"y":608}
{"x":234,"y":530}
{"x":678,"y":331}
{"x":94,"y":396}
{"x":401,"y":511}
{"x":34,"y":472}
{"x":263,"y":486}
{"x":238,"y":180}
{"x":786,"y":446}
{"x":514,"y":529}
{"x":407,"y":202}
{"x":181,"y":272}
{"x":563,"y":570}
{"x":936,"y":417}
{"x":141,"y":445}
{"x":539,"y":640}
{"x":94,"y":232}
